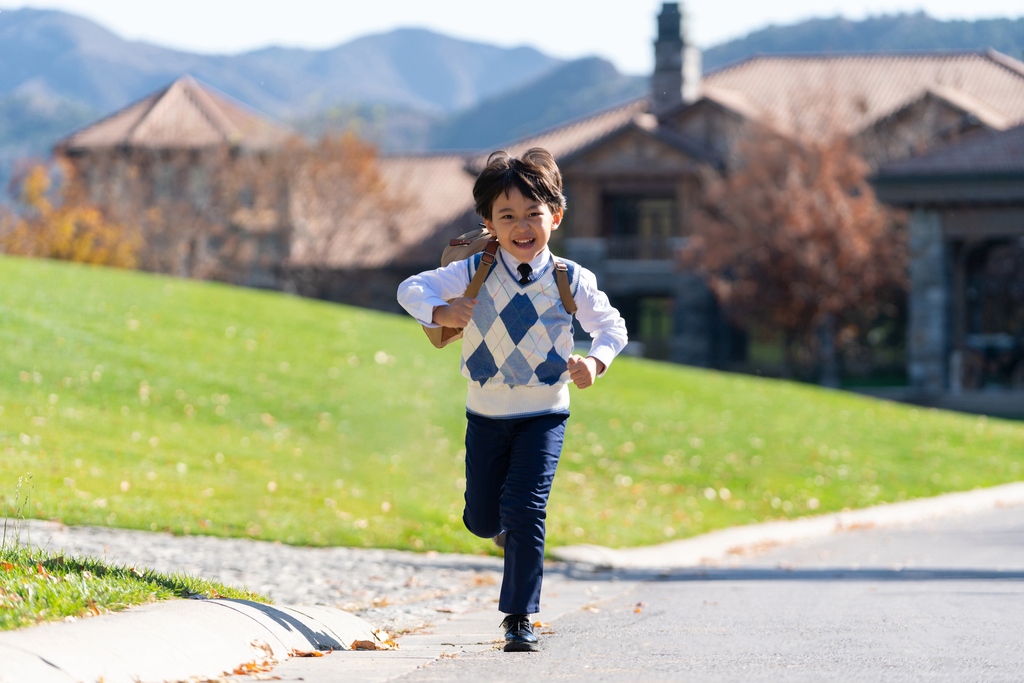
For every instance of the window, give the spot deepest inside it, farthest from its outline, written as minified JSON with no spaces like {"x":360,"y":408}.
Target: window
{"x":639,"y":226}
{"x":639,"y":215}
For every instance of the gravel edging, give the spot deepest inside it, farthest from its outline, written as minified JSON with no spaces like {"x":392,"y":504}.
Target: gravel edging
{"x":393,"y":589}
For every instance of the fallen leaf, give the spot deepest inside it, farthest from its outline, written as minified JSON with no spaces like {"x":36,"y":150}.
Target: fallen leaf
{"x":386,"y":644}
{"x":538,"y":624}
{"x":638,"y":610}
{"x":8,"y":566}
{"x":261,"y":646}
{"x":252,"y":667}
{"x":306,"y":653}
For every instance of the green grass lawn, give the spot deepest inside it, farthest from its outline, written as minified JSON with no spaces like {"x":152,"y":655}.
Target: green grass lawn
{"x":148,"y":402}
{"x":38,"y":585}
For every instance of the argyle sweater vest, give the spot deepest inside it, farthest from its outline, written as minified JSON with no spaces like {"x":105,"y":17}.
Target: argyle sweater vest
{"x":516,"y":348}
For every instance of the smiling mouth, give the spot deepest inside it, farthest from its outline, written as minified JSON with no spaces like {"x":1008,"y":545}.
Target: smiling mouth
{"x":524,"y":243}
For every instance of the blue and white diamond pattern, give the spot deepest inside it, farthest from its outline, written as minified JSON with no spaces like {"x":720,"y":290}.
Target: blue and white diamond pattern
{"x":525,"y":326}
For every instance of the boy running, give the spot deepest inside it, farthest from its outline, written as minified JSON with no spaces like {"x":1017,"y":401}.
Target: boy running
{"x":517,"y":353}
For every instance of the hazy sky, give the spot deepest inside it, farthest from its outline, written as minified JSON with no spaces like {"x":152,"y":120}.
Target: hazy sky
{"x":620,"y":30}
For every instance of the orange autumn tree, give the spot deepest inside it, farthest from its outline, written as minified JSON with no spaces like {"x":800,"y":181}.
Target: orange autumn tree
{"x":58,"y":223}
{"x":793,"y":239}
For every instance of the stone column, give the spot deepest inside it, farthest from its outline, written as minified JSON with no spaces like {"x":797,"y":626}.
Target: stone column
{"x":694,"y":321}
{"x":928,"y":334}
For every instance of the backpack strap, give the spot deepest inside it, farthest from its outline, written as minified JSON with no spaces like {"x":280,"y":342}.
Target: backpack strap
{"x":483,"y":270}
{"x":562,"y":278}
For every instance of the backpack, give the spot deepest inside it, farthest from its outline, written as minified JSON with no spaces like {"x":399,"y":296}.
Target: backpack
{"x":473,"y":243}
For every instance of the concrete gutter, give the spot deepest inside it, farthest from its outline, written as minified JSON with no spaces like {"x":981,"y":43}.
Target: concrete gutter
{"x":173,"y":640}
{"x":718,"y":547}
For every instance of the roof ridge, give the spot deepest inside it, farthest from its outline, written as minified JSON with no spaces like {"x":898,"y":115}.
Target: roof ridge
{"x":577,"y":120}
{"x":1005,"y":61}
{"x":157,"y":97}
{"x":984,"y":111}
{"x":208,"y":106}
{"x":842,"y":54}
{"x":430,"y":154}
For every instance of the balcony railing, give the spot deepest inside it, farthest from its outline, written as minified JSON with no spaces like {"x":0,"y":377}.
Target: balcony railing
{"x":639,"y":247}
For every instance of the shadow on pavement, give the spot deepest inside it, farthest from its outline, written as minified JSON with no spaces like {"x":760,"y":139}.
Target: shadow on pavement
{"x":782,"y":574}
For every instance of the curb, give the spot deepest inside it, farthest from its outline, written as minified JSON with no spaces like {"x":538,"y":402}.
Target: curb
{"x":718,"y":546}
{"x":173,"y":640}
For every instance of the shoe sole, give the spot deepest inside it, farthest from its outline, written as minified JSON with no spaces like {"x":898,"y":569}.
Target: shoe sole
{"x":522,"y":647}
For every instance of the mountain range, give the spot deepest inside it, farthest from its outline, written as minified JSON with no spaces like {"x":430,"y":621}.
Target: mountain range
{"x":409,"y":89}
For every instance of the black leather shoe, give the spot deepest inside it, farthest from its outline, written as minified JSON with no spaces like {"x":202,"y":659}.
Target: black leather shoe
{"x":519,"y":635}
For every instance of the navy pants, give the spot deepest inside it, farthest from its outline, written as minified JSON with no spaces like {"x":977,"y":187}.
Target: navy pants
{"x":510,"y":464}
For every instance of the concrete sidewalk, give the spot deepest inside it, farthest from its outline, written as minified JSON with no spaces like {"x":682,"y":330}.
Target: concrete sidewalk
{"x":203,"y":639}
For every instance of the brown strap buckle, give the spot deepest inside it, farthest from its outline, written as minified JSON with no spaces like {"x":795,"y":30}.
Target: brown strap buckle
{"x":459,"y":243}
{"x":489,"y":251}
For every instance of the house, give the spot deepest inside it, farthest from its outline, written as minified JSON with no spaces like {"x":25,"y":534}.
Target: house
{"x":966,"y":327}
{"x":198,"y":173}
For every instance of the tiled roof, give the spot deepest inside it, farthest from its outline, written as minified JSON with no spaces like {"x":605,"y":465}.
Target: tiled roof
{"x":432,"y":197}
{"x":435,"y":197}
{"x":567,"y":138}
{"x":846,"y":92}
{"x":981,"y":154}
{"x":184,"y":115}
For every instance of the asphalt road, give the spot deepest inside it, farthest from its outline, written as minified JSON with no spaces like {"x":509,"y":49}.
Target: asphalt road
{"x":941,"y":601}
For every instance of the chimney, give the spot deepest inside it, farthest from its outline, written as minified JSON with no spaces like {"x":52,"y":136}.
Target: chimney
{"x":677,"y":67}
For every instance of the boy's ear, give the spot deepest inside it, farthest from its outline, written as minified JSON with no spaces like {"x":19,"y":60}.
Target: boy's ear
{"x":489,"y":226}
{"x":556,"y":219}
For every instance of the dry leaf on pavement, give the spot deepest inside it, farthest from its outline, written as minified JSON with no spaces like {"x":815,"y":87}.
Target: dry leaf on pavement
{"x":382,"y":641}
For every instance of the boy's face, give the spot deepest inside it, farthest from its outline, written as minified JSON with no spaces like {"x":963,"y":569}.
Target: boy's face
{"x":522,"y":226}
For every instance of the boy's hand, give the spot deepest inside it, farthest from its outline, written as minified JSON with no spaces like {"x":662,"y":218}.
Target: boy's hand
{"x":458,"y":313}
{"x":583,"y":371}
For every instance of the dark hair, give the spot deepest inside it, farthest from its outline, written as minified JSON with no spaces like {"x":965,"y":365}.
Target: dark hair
{"x":535,"y":174}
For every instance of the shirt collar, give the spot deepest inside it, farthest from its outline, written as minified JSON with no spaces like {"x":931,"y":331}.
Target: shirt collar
{"x":536,"y":264}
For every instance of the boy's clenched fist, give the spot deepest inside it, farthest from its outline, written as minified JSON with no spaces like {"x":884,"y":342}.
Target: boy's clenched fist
{"x":583,"y":371}
{"x":457,"y":314}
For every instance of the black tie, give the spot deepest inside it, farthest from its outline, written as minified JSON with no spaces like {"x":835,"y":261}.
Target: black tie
{"x":524,"y":270}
